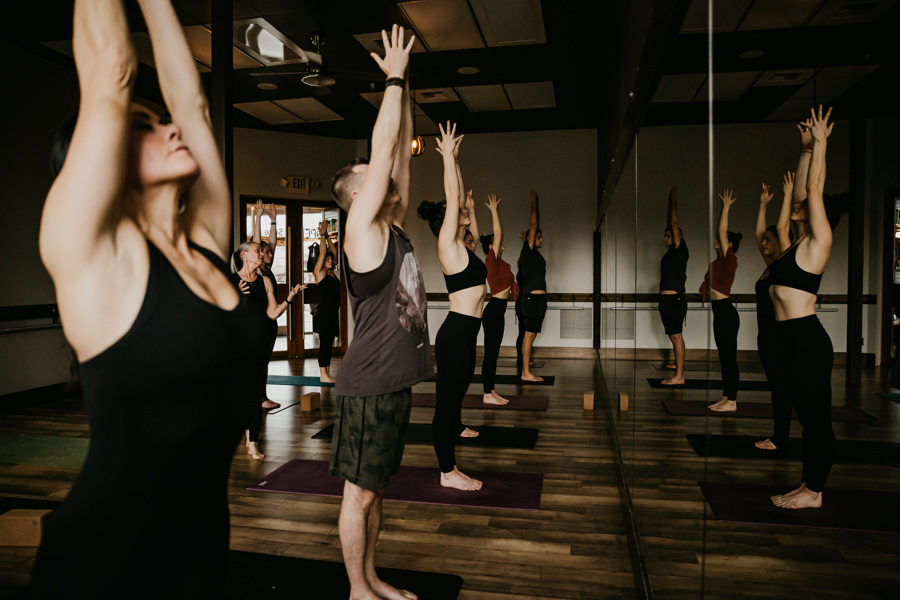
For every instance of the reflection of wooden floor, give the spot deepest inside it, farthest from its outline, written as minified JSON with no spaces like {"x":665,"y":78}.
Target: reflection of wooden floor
{"x":574,"y":547}
{"x":748,"y":561}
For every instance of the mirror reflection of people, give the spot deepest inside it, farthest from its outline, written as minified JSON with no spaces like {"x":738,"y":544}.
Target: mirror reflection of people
{"x":455,"y":345}
{"x":726,"y":322}
{"x":672,"y":276}
{"x":267,"y":251}
{"x":134,"y":234}
{"x":532,"y":304}
{"x":329,"y":307}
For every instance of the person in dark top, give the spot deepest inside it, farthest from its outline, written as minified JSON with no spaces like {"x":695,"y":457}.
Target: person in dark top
{"x":493,"y":319}
{"x":134,"y":233}
{"x":672,"y":276}
{"x":726,"y":322}
{"x":328,"y":310}
{"x":248,"y":278}
{"x":455,"y":343}
{"x":805,"y":355}
{"x":267,"y":251}
{"x":390,"y":351}
{"x":532,"y":305}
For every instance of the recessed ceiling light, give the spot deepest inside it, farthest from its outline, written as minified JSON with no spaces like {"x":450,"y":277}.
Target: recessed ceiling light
{"x":267,"y":86}
{"x":467,"y":70}
{"x":748,"y":54}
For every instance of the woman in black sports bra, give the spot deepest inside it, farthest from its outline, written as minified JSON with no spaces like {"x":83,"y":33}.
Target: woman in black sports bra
{"x":134,"y":234}
{"x":805,"y":355}
{"x":455,"y":343}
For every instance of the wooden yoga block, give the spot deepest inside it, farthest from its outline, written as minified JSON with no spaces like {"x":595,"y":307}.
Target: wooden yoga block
{"x":310,"y":401}
{"x":623,"y":401}
{"x":23,"y":527}
{"x":589,"y":400}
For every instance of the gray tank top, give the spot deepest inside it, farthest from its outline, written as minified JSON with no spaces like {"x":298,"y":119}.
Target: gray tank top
{"x":390,"y":350}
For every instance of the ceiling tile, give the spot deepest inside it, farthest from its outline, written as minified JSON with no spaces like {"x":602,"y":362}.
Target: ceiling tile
{"x":510,"y":22}
{"x":728,"y":86}
{"x":778,"y":14}
{"x":833,"y":81}
{"x":484,"y":98}
{"x":784,"y":77}
{"x":443,"y":24}
{"x":309,"y":109}
{"x":726,"y":15}
{"x":531,"y":95}
{"x":794,"y":109}
{"x":678,"y":88}
{"x":268,"y":112}
{"x":848,"y":12}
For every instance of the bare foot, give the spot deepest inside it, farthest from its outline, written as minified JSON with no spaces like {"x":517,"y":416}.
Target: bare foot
{"x":455,"y":479}
{"x":327,"y":379}
{"x":673,"y":381}
{"x":269,"y":404}
{"x":529,"y":376}
{"x":494,"y":398}
{"x":780,"y":497}
{"x":724,"y":405}
{"x":469,"y":433}
{"x":389,"y":592}
{"x":805,"y":498}
{"x":246,"y":439}
{"x":253,"y":451}
{"x":766,"y":444}
{"x":671,"y":365}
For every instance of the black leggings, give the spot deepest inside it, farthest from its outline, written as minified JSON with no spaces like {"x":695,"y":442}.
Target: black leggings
{"x":726,"y":323}
{"x":494,"y":321}
{"x":454,"y":353}
{"x":767,"y":345}
{"x":803,"y":362}
{"x":328,"y":329}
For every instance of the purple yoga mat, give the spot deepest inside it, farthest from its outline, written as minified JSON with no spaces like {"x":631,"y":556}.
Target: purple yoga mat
{"x":755,"y":410}
{"x":516,"y":491}
{"x":474,"y":401}
{"x":858,"y":510}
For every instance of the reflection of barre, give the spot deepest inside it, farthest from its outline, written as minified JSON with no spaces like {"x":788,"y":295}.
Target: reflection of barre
{"x":747,"y":309}
{"x":510,"y":306}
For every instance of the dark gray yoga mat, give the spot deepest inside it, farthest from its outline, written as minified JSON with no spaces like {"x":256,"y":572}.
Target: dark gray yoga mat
{"x":489,"y":436}
{"x":860,"y":452}
{"x":475,"y":401}
{"x":712,"y":384}
{"x":755,"y":410}
{"x":509,"y":379}
{"x":711,"y":366}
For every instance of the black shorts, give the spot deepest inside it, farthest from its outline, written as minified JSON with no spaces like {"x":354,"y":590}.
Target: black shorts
{"x":673,"y":310}
{"x":533,"y":310}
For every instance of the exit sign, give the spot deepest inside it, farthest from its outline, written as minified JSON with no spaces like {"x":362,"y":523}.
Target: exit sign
{"x":298,"y":185}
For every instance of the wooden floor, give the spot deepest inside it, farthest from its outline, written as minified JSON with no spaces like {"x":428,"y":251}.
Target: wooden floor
{"x":576,"y":545}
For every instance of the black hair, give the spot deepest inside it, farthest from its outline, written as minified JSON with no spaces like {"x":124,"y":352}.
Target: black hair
{"x":735,"y":239}
{"x":433,"y":212}
{"x":680,"y":230}
{"x":342,"y":183}
{"x":327,"y":254}
{"x":59,"y":147}
{"x":773,"y":229}
{"x":486,"y":241}
{"x":835,"y":206}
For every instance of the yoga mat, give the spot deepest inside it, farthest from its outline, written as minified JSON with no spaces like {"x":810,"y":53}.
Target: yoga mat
{"x":713,"y":384}
{"x":511,"y":363}
{"x":859,"y":452}
{"x":296,"y":380}
{"x":489,"y":436}
{"x":474,"y":401}
{"x":756,"y":410}
{"x":890,"y":396}
{"x":251,"y":575}
{"x":699,"y":365}
{"x":45,"y":450}
{"x":421,"y":485}
{"x":859,"y":510}
{"x":509,"y":379}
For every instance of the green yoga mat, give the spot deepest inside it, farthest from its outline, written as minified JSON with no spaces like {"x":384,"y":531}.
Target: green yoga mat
{"x":44,"y":450}
{"x":296,"y":380}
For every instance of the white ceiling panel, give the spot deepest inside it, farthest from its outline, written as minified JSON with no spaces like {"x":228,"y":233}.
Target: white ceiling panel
{"x":484,"y":98}
{"x":443,"y":24}
{"x":531,"y":95}
{"x":728,"y":86}
{"x":727,"y":15}
{"x":778,"y":14}
{"x":679,"y":88}
{"x":510,"y":22}
{"x":309,"y":109}
{"x":268,"y":112}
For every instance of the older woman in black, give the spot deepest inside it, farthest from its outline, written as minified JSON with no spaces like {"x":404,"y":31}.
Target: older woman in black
{"x":455,"y":343}
{"x":328,"y":309}
{"x":134,"y":234}
{"x":805,"y":354}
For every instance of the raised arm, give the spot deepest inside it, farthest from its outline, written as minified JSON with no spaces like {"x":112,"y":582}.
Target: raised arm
{"x":257,"y":221}
{"x":272,"y":213}
{"x":820,"y":229}
{"x":806,"y":145}
{"x":447,"y":239}
{"x":82,"y":209}
{"x":534,"y":220}
{"x":783,"y":225}
{"x":761,"y":226}
{"x":672,"y":221}
{"x":366,"y":238}
{"x":319,"y":269}
{"x":207,"y":215}
{"x":470,"y":206}
{"x":493,"y":204}
{"x":400,"y":171}
{"x":728,"y":199}
{"x":273,"y":308}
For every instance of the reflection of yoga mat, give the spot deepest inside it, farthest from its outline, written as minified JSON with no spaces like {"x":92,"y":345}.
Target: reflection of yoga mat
{"x":252,"y":575}
{"x":45,"y":450}
{"x":489,"y":436}
{"x":859,"y":452}
{"x":861,"y":510}
{"x":474,"y":401}
{"x":509,"y":379}
{"x":713,"y":384}
{"x":519,"y":491}
{"x":511,"y":363}
{"x":756,"y":410}
{"x":296,"y":380}
{"x":890,"y":396}
{"x":713,"y":366}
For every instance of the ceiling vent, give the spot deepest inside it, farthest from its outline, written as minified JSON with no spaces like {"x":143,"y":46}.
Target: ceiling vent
{"x":854,"y":11}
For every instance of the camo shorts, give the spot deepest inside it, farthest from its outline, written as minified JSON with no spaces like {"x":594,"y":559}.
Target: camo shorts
{"x":369,"y":437}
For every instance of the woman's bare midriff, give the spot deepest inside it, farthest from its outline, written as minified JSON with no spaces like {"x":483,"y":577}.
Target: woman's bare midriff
{"x":469,"y":302}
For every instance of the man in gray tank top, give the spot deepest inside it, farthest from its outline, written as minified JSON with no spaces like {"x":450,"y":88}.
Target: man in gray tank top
{"x":390,"y":350}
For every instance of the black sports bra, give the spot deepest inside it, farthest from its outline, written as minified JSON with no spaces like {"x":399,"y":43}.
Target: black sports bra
{"x":474,"y":274}
{"x":785,"y":271}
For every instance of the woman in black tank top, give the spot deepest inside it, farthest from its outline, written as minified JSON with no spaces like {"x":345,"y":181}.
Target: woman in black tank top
{"x":455,"y":343}
{"x":134,"y":231}
{"x":267,"y":250}
{"x":328,"y":309}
